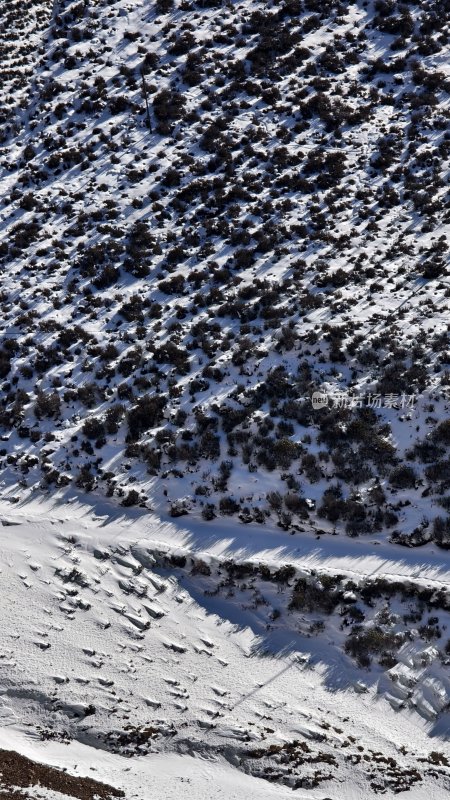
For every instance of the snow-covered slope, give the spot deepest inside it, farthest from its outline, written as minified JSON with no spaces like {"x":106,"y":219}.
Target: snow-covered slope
{"x":175,"y":286}
{"x":123,"y":636}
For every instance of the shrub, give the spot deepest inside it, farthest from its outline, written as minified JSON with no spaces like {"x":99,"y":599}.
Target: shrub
{"x":119,"y":104}
{"x":168,"y":107}
{"x":87,"y":394}
{"x":85,"y":479}
{"x":113,"y":417}
{"x":131,"y":499}
{"x":146,"y":414}
{"x":441,"y":433}
{"x":132,"y":310}
{"x":163,"y":6}
{"x":209,"y":512}
{"x":318,"y":596}
{"x":439,"y":472}
{"x":93,"y":428}
{"x":5,"y":364}
{"x":363,"y":642}
{"x":333,"y":504}
{"x":296,"y":504}
{"x":209,"y":446}
{"x":228,"y":506}
{"x":285,"y":451}
{"x":107,"y":277}
{"x":441,"y":532}
{"x":274,"y":500}
{"x":403,"y":477}
{"x":47,"y":404}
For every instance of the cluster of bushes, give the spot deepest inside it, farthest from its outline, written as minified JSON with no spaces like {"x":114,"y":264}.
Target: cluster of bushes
{"x":206,"y":227}
{"x":363,"y":642}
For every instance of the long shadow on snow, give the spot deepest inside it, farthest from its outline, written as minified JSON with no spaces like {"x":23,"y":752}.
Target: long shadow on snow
{"x":339,"y":672}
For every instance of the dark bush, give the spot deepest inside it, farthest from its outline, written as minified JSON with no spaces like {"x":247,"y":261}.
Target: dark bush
{"x":228,"y":506}
{"x":48,"y":404}
{"x":146,"y":414}
{"x":441,"y":433}
{"x":363,"y":642}
{"x":321,"y":595}
{"x":93,"y":428}
{"x":403,"y":477}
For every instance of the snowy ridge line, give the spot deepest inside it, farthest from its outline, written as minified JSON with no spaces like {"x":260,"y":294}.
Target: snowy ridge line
{"x":231,"y":540}
{"x":299,"y":565}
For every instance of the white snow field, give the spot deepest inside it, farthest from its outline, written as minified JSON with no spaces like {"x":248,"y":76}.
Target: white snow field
{"x":154,"y":776}
{"x":102,"y":647}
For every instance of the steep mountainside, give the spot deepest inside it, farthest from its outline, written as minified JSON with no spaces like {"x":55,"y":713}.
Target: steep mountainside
{"x":176,"y":285}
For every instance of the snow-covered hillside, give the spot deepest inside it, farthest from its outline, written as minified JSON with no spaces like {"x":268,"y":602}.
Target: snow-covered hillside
{"x":224,"y":375}
{"x":175,"y":286}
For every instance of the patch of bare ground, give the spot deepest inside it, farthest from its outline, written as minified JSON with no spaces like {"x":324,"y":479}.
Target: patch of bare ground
{"x":18,"y":772}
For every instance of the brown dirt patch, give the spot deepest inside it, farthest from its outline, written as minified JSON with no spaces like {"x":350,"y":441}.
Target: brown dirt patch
{"x":18,"y":772}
